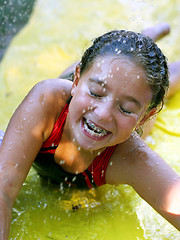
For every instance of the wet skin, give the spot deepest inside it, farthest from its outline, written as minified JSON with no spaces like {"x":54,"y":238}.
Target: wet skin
{"x":109,"y":100}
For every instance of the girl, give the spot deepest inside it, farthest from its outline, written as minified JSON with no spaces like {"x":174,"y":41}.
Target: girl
{"x":85,"y":133}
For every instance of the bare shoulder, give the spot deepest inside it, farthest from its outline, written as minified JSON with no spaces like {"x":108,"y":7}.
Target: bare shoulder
{"x":121,"y":160}
{"x":52,"y":93}
{"x":60,"y":88}
{"x":133,"y":162}
{"x":50,"y":97}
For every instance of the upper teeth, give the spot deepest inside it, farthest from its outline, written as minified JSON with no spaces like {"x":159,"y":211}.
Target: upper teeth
{"x":95,"y":130}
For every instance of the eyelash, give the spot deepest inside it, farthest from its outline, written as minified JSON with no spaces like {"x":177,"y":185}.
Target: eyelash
{"x":125,"y":111}
{"x":95,"y":95}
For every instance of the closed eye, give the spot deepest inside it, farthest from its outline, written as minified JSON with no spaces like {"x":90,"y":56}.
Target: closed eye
{"x":125,"y":111}
{"x":95,"y":95}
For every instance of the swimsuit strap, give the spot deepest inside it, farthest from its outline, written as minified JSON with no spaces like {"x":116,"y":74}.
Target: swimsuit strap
{"x":50,"y":145}
{"x":98,"y":167}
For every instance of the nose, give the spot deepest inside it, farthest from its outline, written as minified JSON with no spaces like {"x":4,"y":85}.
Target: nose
{"x":104,"y":111}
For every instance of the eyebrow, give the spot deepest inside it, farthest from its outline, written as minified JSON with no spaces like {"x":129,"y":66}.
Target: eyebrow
{"x":132,"y":99}
{"x":98,"y":81}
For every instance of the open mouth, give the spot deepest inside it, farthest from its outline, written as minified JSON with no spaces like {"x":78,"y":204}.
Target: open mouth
{"x":93,"y":129}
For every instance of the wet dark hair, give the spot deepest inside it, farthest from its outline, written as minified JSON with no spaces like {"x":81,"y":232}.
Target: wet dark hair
{"x":140,"y":49}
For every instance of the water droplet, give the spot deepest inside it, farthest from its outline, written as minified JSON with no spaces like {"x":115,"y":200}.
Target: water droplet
{"x":84,"y":110}
{"x":74,"y":178}
{"x":61,"y":188}
{"x":5,"y":180}
{"x":61,"y":162}
{"x":138,"y":77}
{"x":79,"y":148}
{"x":151,"y":54}
{"x":17,"y":164}
{"x":110,"y":163}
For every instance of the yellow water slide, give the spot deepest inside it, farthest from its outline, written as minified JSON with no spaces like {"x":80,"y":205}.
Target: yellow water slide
{"x":57,"y":34}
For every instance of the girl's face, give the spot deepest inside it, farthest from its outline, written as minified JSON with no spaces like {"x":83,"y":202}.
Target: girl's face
{"x":109,"y":101}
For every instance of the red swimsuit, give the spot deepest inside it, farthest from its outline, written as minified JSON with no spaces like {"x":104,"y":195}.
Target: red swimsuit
{"x":46,"y":166}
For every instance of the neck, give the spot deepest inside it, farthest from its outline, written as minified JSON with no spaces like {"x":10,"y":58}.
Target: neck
{"x":72,"y":158}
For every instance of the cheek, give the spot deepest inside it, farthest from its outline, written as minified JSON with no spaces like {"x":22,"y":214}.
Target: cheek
{"x":82,"y":98}
{"x":79,"y":106}
{"x":127,"y":124}
{"x":80,"y":94}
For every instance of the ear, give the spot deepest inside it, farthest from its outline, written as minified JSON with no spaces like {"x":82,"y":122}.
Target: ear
{"x":152,"y":112}
{"x":76,"y":79}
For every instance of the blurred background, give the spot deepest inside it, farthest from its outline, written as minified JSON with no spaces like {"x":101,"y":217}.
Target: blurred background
{"x":13,"y":16}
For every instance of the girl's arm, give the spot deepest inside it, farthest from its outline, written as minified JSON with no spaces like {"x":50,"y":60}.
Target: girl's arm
{"x":150,"y":176}
{"x":5,"y":216}
{"x":157,"y":31}
{"x":29,"y":126}
{"x":69,"y":72}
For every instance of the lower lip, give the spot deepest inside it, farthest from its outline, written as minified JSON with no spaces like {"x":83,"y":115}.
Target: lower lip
{"x":97,"y":138}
